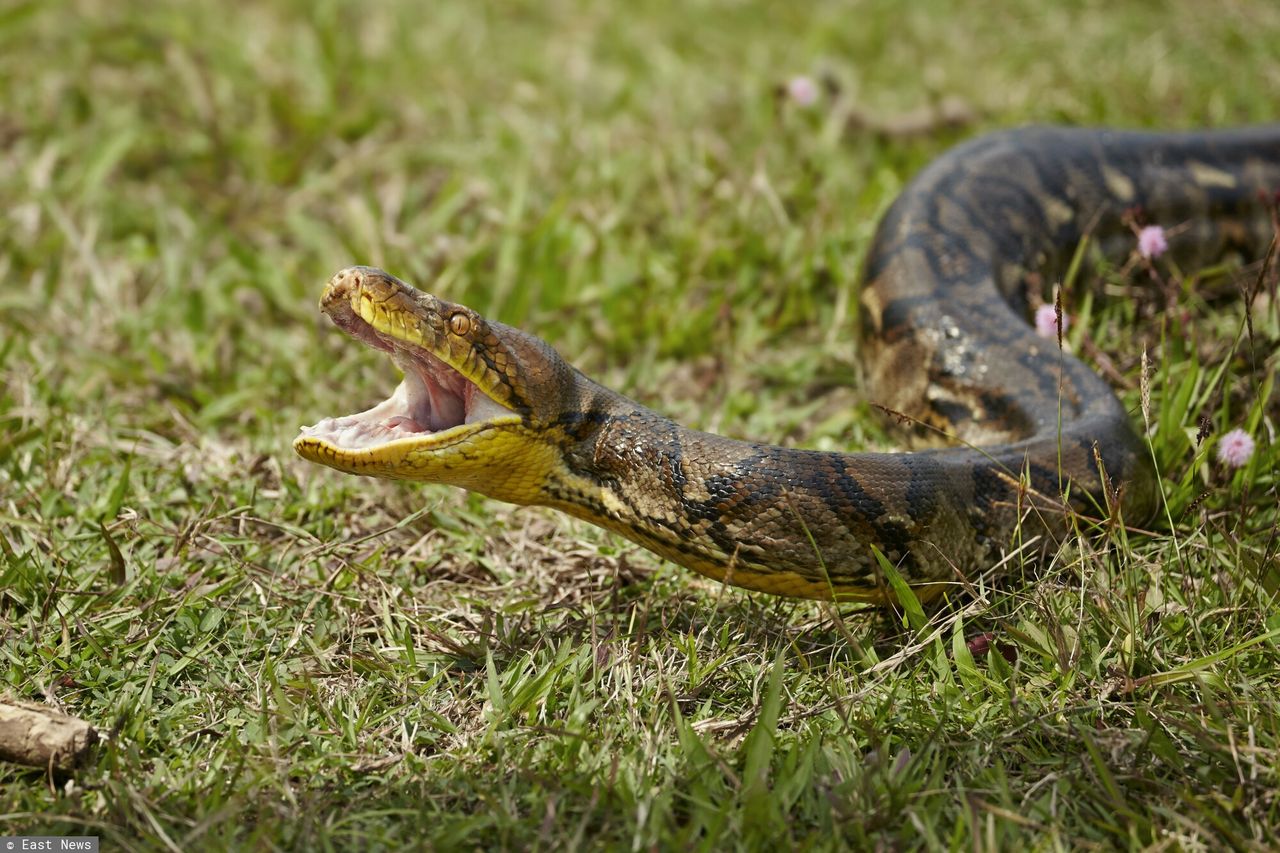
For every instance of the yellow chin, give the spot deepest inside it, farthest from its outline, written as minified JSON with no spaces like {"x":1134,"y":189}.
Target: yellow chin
{"x":499,"y":457}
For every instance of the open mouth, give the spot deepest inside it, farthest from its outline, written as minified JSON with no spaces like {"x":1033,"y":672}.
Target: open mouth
{"x":434,"y":401}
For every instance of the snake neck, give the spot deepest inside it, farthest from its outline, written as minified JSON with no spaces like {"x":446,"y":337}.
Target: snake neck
{"x":618,"y":460}
{"x":628,"y":469}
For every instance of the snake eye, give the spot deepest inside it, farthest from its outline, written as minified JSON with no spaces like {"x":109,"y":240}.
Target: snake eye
{"x":460,"y":324}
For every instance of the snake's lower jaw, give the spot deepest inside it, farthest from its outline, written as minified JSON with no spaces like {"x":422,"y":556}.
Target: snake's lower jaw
{"x":428,"y":433}
{"x":497,"y":457}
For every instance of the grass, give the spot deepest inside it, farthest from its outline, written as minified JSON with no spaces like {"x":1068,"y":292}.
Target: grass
{"x":291,"y":658}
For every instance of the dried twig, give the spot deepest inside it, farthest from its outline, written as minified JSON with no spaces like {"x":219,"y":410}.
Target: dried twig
{"x":39,"y":736}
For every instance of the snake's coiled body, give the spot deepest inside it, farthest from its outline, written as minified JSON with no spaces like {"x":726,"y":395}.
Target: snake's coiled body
{"x":945,"y":299}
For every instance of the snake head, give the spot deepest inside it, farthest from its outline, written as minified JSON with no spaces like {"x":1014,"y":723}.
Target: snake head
{"x":474,"y":398}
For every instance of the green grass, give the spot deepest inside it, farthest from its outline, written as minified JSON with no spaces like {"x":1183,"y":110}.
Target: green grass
{"x":292,"y":658}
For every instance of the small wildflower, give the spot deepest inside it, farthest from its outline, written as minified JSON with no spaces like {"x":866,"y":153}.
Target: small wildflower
{"x":980,"y":644}
{"x":802,"y":91}
{"x":1152,"y":242}
{"x":1235,"y":448}
{"x":1047,"y":322}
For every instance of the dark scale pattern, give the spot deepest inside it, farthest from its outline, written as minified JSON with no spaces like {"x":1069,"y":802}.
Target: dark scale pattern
{"x":1021,"y":200}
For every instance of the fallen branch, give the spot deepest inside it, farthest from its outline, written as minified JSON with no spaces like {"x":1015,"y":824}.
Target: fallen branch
{"x":42,"y":737}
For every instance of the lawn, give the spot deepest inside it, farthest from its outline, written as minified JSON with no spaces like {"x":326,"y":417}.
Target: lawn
{"x":286,"y":657}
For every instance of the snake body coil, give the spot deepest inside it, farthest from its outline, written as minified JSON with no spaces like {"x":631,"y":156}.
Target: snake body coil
{"x":945,"y":297}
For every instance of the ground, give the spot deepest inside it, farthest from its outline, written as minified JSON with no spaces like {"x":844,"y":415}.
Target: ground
{"x":287,"y":657}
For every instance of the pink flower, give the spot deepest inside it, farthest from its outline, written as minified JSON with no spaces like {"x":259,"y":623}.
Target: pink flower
{"x":1047,"y":322}
{"x":1235,"y":448}
{"x":802,"y":91}
{"x":1152,"y":242}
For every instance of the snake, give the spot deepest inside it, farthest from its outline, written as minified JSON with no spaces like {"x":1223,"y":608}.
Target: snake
{"x":1038,"y":444}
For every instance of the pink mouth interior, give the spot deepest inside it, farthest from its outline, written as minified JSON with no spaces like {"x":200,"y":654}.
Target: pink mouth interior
{"x":433,"y":397}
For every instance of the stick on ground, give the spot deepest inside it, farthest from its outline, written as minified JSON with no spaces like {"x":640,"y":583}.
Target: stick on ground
{"x":42,"y":737}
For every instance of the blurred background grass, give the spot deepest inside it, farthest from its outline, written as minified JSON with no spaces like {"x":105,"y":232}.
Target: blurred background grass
{"x":178,"y":179}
